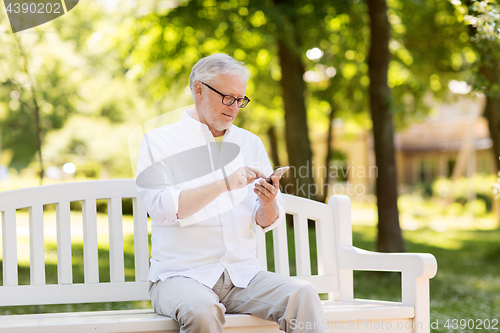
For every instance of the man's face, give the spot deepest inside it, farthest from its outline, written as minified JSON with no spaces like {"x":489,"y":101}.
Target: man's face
{"x":217,"y":116}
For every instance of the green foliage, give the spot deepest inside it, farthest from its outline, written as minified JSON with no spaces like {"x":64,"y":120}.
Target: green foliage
{"x":429,"y":49}
{"x":94,"y":145}
{"x":480,"y":184}
{"x":478,"y":207}
{"x":428,"y":202}
{"x":482,"y":19}
{"x":127,"y":64}
{"x":88,"y":106}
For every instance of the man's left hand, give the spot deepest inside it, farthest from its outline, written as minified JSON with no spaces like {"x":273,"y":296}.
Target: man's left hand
{"x":267,"y":192}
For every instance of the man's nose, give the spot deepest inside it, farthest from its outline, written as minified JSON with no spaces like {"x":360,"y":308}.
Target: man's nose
{"x":235,"y":107}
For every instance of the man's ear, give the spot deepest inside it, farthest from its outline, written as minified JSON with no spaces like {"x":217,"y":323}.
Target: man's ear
{"x":198,"y":90}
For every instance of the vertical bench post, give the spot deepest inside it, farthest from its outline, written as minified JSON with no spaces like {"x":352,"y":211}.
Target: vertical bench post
{"x":281,"y":263}
{"x":302,"y":253}
{"x":37,"y":251}
{"x":90,"y":254}
{"x":64,"y":265}
{"x":9,"y":263}
{"x":261,"y":245}
{"x":141,"y":247}
{"x":343,"y":237}
{"x":116,"y":260}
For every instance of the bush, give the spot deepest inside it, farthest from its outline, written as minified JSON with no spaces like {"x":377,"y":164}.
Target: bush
{"x":477,"y":207}
{"x":480,"y":184}
{"x":456,"y":209}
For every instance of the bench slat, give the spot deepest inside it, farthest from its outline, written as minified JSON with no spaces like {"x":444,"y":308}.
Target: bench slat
{"x":37,"y":252}
{"x":261,"y":246}
{"x":9,"y":242}
{"x":338,"y":315}
{"x":326,"y":250}
{"x":281,"y":249}
{"x":76,"y":293}
{"x":116,"y":259}
{"x":90,"y":254}
{"x":302,"y":255}
{"x":313,"y":210}
{"x":325,"y":244}
{"x":322,"y":283}
{"x":141,"y":247}
{"x":64,"y":266}
{"x":49,"y":194}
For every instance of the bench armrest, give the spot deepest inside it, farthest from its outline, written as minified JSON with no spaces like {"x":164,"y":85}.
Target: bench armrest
{"x":417,"y":265}
{"x":416,"y":270}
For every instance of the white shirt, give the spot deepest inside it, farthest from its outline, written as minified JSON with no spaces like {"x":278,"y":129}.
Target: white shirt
{"x":218,"y":236}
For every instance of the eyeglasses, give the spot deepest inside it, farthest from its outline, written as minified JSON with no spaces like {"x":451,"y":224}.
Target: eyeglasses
{"x":229,"y":100}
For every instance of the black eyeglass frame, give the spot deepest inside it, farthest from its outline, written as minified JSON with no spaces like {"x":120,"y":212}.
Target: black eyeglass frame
{"x":243,"y":99}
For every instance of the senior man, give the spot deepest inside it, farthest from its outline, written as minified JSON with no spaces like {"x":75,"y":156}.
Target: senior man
{"x":201,"y":181}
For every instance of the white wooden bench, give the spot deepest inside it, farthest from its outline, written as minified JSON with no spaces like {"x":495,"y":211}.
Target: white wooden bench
{"x":337,"y":259}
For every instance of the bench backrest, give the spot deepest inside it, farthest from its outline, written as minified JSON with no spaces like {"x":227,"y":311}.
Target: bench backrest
{"x":92,"y":290}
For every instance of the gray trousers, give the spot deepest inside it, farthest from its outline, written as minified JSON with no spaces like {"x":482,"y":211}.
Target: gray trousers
{"x":293,"y":304}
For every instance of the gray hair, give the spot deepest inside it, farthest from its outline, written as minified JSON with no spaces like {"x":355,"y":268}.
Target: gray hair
{"x":218,"y":63}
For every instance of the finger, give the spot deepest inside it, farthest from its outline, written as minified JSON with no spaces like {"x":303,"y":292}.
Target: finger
{"x":267,"y":188}
{"x":250,"y":175}
{"x":257,"y":172}
{"x":276,"y":182}
{"x":258,"y":190}
{"x":270,"y":186}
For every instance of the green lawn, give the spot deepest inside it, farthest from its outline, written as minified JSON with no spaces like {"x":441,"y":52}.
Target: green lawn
{"x":467,"y":285}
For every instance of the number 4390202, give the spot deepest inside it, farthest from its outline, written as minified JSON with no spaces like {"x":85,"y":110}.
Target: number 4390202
{"x":40,"y":8}
{"x":472,"y":324}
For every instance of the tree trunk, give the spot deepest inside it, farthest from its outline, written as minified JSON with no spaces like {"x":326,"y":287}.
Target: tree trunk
{"x":328,"y":155}
{"x":271,"y":134}
{"x":38,"y":129}
{"x":492,"y":111}
{"x":296,"y":130}
{"x":292,"y":82}
{"x":389,"y":232}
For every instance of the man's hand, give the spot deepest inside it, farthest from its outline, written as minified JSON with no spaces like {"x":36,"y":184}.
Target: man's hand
{"x":242,"y":177}
{"x":268,"y":211}
{"x":267,"y":192}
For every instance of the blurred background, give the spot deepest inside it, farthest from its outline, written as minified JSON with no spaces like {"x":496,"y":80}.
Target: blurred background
{"x":400,"y":113}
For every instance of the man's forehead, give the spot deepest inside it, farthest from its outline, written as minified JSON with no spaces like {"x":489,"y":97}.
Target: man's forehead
{"x":231,"y":84}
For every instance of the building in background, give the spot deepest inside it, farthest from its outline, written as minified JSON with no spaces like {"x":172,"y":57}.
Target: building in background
{"x":431,"y":149}
{"x":424,"y":151}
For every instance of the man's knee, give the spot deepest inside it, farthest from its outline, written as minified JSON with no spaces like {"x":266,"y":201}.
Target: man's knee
{"x":304,"y":290}
{"x":203,"y":315}
{"x":309,"y":291}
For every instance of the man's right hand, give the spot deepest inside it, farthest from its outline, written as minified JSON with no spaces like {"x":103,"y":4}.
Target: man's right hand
{"x":242,"y":177}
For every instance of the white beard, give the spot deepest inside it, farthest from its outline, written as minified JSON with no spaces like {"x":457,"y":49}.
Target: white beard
{"x":211,"y":118}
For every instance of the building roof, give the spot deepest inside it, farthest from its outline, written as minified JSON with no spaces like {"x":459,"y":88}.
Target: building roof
{"x":447,"y":128}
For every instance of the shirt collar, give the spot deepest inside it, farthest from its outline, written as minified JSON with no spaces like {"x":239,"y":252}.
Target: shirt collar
{"x":197,"y":127}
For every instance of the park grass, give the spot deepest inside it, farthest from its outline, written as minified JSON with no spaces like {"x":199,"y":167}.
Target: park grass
{"x":467,"y":285}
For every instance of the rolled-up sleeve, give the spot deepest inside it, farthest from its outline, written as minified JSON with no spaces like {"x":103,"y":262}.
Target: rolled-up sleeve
{"x":279,"y":219}
{"x":154,"y":185}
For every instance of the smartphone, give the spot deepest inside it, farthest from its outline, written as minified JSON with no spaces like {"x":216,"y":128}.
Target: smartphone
{"x":278,"y":173}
